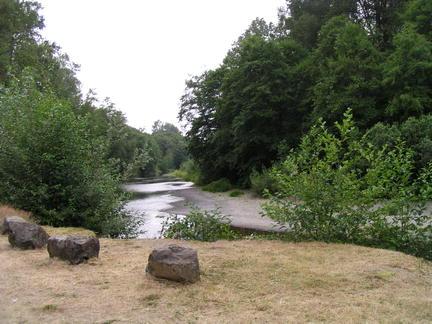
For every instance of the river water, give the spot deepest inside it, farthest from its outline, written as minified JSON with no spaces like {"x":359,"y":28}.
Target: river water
{"x":151,"y":201}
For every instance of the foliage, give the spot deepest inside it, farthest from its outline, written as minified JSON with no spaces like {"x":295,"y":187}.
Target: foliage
{"x":418,"y":13}
{"x":19,"y":24}
{"x":416,"y":132}
{"x":407,"y":75}
{"x":241,"y":111}
{"x":70,"y":151}
{"x":189,"y":171}
{"x":22,"y":47}
{"x":220,"y":185}
{"x":321,"y":58}
{"x":340,"y":188}
{"x":424,"y":183}
{"x":171,"y":145}
{"x":51,"y":166}
{"x":262,"y":182}
{"x":348,"y":74}
{"x":201,"y":225}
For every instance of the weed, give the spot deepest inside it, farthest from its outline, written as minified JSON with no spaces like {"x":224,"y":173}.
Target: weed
{"x":236,"y":193}
{"x":49,"y":308}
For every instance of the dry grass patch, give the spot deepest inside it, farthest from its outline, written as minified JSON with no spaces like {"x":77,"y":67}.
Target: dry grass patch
{"x":55,"y":231}
{"x":241,"y":282}
{"x":7,"y":211}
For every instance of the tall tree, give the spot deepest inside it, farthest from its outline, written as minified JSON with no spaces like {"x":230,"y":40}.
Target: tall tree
{"x":240,"y":112}
{"x":408,"y":76}
{"x":419,"y":13}
{"x":380,"y":18}
{"x":303,"y":19}
{"x":348,"y":74}
{"x":20,"y":24}
{"x":171,"y":144}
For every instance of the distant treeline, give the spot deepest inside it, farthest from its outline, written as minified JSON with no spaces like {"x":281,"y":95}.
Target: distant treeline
{"x":321,"y":58}
{"x":64,"y":155}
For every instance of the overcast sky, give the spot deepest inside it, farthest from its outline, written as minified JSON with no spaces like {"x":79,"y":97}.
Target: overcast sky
{"x":140,"y":52}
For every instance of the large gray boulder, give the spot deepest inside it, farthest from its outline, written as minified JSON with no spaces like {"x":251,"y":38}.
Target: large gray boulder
{"x":27,"y":236}
{"x":175,"y":263}
{"x":5,"y":229}
{"x":75,"y":249}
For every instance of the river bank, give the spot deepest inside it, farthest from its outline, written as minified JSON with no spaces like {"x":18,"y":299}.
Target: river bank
{"x":245,"y":211}
{"x":155,"y":199}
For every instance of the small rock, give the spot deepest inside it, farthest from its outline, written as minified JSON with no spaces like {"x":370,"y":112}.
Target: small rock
{"x":5,"y":228}
{"x":27,"y":235}
{"x":175,"y":263}
{"x":75,"y":249}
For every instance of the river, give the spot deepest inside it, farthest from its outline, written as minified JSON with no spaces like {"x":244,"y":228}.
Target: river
{"x":154,"y":199}
{"x":151,"y":199}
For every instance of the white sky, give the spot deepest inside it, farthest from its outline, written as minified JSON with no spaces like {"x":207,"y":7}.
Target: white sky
{"x":140,"y":52}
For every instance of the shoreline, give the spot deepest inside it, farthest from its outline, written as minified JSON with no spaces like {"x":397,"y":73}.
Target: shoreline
{"x":244,"y":211}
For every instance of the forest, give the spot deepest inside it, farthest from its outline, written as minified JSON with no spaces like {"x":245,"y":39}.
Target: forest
{"x":321,"y":58}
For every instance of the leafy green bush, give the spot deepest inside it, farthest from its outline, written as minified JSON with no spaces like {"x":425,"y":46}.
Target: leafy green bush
{"x":236,"y":193}
{"x":424,"y":183}
{"x":340,"y":188}
{"x":416,"y":132}
{"x":201,"y":225}
{"x":189,"y":171}
{"x":262,"y":182}
{"x":51,"y":166}
{"x":220,"y":185}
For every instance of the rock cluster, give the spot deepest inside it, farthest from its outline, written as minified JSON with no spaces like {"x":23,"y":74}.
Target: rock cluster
{"x":75,"y":249}
{"x":175,"y":263}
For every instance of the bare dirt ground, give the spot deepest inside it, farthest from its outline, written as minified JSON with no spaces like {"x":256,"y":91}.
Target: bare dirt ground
{"x":241,"y":282}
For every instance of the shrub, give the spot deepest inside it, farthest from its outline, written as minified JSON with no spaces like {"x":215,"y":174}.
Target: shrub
{"x":189,"y":171}
{"x":201,"y":225}
{"x":220,"y":185}
{"x":416,"y":132}
{"x":262,"y":182}
{"x":51,"y":166}
{"x":236,"y":193}
{"x":340,"y":188}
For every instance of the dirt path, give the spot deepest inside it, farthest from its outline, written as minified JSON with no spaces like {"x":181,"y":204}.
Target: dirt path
{"x":244,"y":211}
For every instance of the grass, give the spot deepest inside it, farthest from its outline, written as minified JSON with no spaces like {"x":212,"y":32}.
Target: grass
{"x":241,"y":282}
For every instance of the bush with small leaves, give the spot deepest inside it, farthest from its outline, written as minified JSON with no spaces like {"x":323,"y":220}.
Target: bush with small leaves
{"x":200,"y":225}
{"x":340,"y":188}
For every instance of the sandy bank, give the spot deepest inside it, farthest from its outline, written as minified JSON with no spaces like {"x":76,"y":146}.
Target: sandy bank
{"x":244,"y":211}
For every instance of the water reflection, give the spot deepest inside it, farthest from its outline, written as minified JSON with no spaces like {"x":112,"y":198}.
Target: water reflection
{"x":157,"y":187}
{"x":151,"y":200}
